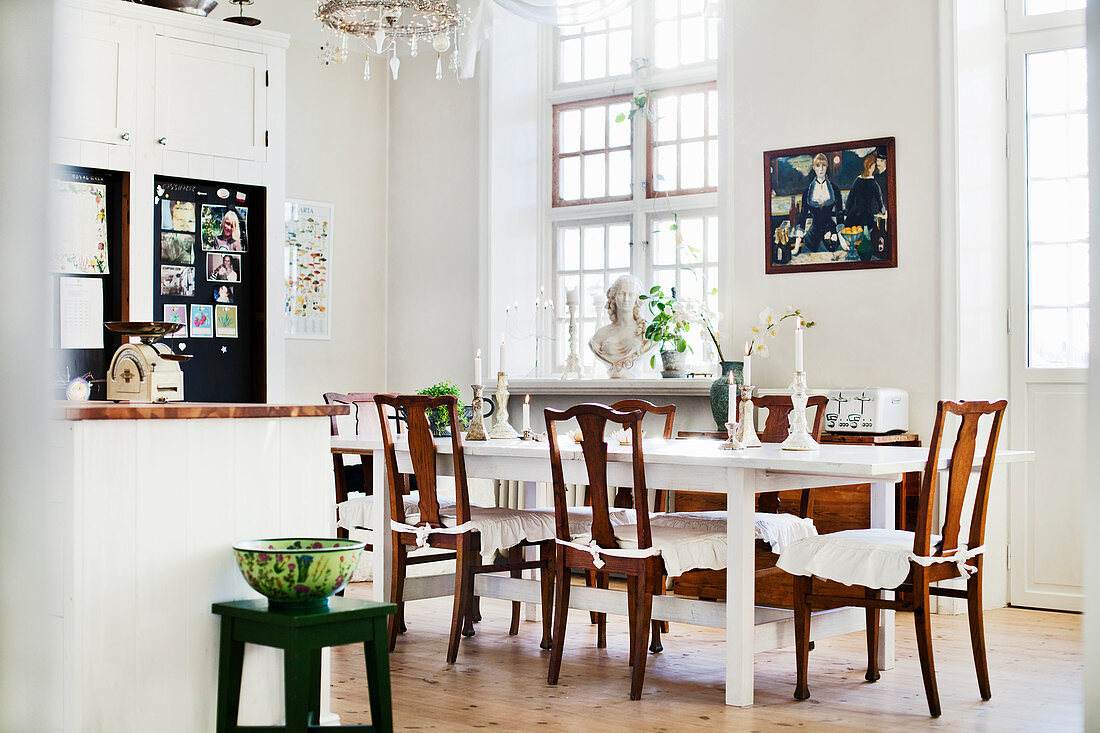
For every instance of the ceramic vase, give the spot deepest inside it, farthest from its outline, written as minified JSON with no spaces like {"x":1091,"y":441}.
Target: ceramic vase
{"x":719,"y":391}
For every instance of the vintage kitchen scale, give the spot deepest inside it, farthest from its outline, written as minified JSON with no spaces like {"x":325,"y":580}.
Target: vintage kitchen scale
{"x":145,"y":372}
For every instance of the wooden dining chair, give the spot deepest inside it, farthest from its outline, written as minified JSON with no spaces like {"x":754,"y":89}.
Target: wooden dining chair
{"x":459,"y":531}
{"x":624,"y":500}
{"x":912,"y":560}
{"x":711,"y":584}
{"x":630,"y":550}
{"x":353,"y":476}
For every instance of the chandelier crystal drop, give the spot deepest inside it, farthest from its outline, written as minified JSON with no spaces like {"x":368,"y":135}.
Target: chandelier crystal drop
{"x":383,"y":23}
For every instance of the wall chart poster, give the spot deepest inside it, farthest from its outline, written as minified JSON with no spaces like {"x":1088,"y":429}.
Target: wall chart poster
{"x":80,"y":247}
{"x":308,"y":268}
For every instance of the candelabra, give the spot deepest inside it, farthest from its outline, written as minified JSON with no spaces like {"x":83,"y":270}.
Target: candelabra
{"x":573,"y":369}
{"x":476,"y":430}
{"x":800,"y":438}
{"x":501,"y":428}
{"x":746,"y":420}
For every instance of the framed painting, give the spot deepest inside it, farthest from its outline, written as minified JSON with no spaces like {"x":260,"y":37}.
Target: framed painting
{"x":830,"y":207}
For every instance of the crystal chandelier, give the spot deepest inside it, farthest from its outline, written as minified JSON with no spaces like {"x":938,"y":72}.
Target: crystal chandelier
{"x":386,"y":25}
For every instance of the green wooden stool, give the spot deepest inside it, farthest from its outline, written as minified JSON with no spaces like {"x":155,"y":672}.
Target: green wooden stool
{"x":301,"y":635}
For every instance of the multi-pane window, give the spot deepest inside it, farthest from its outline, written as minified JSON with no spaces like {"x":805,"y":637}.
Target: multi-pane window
{"x":592,"y":158}
{"x":595,"y":51}
{"x":633,"y":150}
{"x":588,"y":257}
{"x":1057,"y":208}
{"x":683,"y":141}
{"x":682,"y":34}
{"x":683,"y":253}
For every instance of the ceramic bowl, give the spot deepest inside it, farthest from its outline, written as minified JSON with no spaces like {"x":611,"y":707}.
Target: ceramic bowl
{"x":295,"y":572}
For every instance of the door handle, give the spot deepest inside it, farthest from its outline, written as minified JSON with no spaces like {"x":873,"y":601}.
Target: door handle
{"x":162,"y":141}
{"x":125,"y":136}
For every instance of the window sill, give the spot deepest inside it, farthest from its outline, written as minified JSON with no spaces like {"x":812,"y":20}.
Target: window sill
{"x":690,"y":387}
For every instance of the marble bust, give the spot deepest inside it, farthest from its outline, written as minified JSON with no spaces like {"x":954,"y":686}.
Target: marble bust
{"x":621,"y":342}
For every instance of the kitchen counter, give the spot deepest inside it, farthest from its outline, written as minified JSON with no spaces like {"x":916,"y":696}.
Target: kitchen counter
{"x":99,"y":410}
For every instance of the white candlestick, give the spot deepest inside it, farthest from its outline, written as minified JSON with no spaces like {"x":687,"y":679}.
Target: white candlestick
{"x":731,"y":408}
{"x":746,"y":372}
{"x":477,"y":367}
{"x":526,"y":413}
{"x":500,"y":367}
{"x":798,"y":345}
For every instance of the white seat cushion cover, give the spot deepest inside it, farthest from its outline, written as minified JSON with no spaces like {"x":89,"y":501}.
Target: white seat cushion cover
{"x":502,"y":528}
{"x":681,"y":548}
{"x":874,"y":558}
{"x":356,"y":512}
{"x":777,"y":529}
{"x":580,"y":518}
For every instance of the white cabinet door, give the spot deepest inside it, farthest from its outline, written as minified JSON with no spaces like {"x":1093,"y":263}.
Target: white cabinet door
{"x":210,"y":100}
{"x":94,"y":81}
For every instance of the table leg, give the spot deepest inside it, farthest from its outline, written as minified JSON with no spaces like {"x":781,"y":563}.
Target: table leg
{"x":740,"y":558}
{"x":530,"y":501}
{"x":230,"y":666}
{"x":883,"y":494}
{"x":376,"y":654}
{"x":380,"y":531}
{"x":296,"y":688}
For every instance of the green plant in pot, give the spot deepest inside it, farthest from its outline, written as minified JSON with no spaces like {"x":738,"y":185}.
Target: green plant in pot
{"x":668,"y":327}
{"x":438,"y":419}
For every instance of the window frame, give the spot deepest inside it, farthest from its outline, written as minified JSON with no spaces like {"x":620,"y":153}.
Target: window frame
{"x":555,"y":190}
{"x":651,"y":144}
{"x":638,"y":207}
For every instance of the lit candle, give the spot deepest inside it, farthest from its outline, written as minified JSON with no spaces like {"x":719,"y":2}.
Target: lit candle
{"x":500,"y":367}
{"x":798,"y":344}
{"x":747,"y":371}
{"x":477,"y":367}
{"x":526,"y":413}
{"x":731,"y":409}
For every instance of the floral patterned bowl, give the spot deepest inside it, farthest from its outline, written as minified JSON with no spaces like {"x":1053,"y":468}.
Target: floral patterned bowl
{"x":298,"y":573}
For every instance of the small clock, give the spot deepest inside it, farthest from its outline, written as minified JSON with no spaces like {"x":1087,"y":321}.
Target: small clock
{"x":79,"y":390}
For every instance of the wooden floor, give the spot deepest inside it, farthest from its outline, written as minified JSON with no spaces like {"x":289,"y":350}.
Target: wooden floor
{"x":499,"y":682}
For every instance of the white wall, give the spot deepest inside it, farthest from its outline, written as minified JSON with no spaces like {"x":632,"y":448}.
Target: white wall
{"x":1092,"y":494}
{"x":31,"y":581}
{"x":434,"y":194}
{"x":876,"y":78}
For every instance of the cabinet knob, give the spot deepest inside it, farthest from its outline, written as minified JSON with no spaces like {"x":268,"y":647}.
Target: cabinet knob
{"x":125,"y":136}
{"x":162,"y":141}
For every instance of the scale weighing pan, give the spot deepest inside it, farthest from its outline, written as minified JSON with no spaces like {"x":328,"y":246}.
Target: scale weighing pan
{"x":149,"y":331}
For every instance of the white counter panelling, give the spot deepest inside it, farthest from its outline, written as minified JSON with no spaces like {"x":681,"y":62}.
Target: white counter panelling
{"x":154,"y":508}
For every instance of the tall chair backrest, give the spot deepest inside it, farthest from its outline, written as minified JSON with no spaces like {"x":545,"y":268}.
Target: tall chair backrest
{"x":361,"y":408}
{"x":777,"y":425}
{"x":958,"y":476}
{"x":592,"y":419}
{"x":660,"y":498}
{"x":422,"y":450}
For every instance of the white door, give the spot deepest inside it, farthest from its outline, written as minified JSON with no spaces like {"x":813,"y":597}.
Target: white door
{"x":94,"y":81}
{"x":1049,"y":217}
{"x":210,"y":100}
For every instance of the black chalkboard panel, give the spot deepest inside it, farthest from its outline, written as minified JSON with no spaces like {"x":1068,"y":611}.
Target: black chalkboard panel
{"x":74,"y":363}
{"x":209,"y":269}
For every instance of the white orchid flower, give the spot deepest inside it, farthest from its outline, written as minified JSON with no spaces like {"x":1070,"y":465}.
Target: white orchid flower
{"x":791,"y":309}
{"x":755,"y":330}
{"x":767,"y":316}
{"x":761,"y":350}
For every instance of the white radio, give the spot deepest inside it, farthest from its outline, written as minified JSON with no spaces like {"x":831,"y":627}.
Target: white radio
{"x":867,"y":410}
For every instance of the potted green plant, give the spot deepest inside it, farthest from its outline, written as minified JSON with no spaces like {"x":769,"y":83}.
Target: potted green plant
{"x":438,"y":420}
{"x":670,"y":323}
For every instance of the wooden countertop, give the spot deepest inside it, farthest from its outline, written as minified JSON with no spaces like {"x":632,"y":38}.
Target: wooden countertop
{"x":99,"y":410}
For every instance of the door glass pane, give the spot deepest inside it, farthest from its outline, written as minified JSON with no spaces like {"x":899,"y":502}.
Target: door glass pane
{"x":1041,"y":7}
{"x":1057,"y":206}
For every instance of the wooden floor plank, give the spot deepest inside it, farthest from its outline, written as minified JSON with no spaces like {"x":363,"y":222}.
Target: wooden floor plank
{"x":499,"y":683}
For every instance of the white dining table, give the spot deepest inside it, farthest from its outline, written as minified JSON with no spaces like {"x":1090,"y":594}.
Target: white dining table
{"x":689,"y":465}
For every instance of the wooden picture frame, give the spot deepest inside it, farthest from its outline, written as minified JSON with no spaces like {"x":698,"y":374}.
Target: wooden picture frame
{"x":847,"y":233}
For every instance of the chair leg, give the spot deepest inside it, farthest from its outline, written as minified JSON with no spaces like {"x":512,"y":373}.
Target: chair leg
{"x":923,"y":621}
{"x":464,"y":584}
{"x":397,"y":590}
{"x":477,"y":609}
{"x":803,"y":585}
{"x":642,"y":620}
{"x":872,"y":637}
{"x":561,"y":615}
{"x":590,"y":582}
{"x":631,"y":611}
{"x":546,"y":578}
{"x":602,"y":581}
{"x":515,"y":555}
{"x":977,"y":631}
{"x":658,"y":626}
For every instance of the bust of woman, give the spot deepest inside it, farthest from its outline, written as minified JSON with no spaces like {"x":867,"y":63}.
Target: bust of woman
{"x":621,"y":342}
